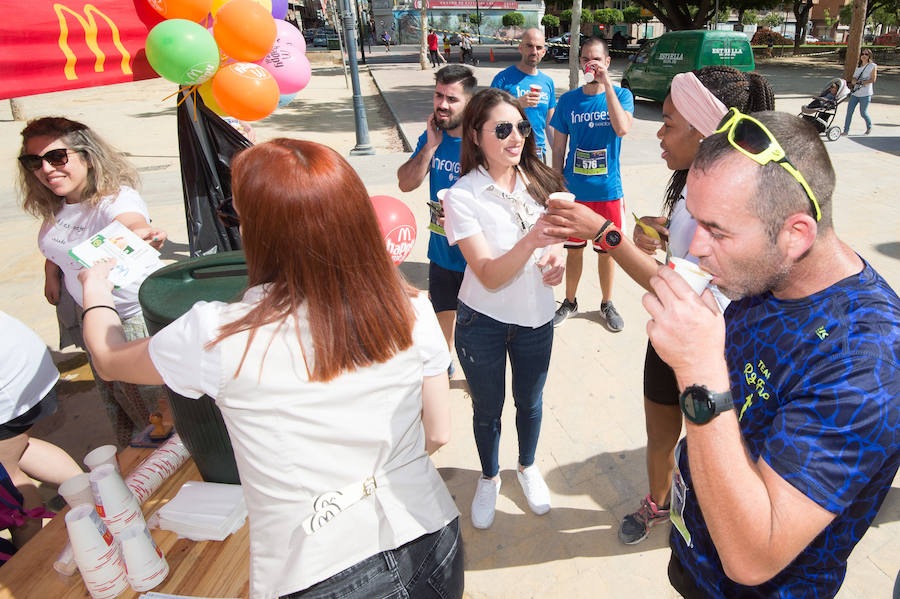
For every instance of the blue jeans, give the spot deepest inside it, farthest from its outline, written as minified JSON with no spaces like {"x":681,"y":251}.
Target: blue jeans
{"x":863,"y":110}
{"x":482,"y":345}
{"x":430,"y":567}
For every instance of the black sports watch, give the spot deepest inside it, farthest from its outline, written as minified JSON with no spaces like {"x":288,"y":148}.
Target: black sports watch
{"x":608,"y":239}
{"x":700,"y":405}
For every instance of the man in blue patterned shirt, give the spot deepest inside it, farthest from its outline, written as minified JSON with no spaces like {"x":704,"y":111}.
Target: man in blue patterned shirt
{"x":770,"y":496}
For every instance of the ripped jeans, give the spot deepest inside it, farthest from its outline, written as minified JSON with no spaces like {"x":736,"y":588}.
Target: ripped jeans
{"x":482,"y":345}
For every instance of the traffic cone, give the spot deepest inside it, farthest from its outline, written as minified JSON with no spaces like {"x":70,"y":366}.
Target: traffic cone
{"x":492,"y":55}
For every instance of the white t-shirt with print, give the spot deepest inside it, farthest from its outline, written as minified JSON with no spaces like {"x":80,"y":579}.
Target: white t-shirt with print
{"x":294,"y":439}
{"x":475,"y":204}
{"x":75,"y":223}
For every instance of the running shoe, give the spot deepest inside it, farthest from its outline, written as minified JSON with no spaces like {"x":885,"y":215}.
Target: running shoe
{"x":635,"y":527}
{"x":614,"y":321}
{"x":485,"y":502}
{"x":535,"y":489}
{"x":565,"y":310}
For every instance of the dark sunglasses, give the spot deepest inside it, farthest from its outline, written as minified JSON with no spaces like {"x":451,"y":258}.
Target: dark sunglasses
{"x":228,"y":216}
{"x":33,"y":162}
{"x":504,"y":129}
{"x":753,"y":140}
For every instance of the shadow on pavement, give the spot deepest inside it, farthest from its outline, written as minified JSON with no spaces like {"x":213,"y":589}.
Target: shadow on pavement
{"x":891,"y":249}
{"x":889,"y":145}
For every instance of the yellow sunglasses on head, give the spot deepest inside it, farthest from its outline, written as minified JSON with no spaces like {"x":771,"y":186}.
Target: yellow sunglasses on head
{"x":751,"y":138}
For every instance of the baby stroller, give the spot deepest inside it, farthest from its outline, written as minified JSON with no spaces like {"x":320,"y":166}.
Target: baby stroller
{"x":820,"y":112}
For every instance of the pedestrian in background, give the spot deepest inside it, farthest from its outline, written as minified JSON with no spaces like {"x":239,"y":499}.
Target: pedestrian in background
{"x":862,"y":89}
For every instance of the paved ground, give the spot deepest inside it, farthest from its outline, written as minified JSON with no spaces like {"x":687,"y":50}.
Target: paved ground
{"x":592,"y":444}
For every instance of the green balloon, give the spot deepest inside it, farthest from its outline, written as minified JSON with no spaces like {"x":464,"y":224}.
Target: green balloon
{"x":182,"y":51}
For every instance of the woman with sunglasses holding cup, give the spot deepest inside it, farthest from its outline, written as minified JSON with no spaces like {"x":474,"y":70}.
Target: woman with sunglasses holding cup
{"x":862,"y":86}
{"x":506,"y":305}
{"x":78,"y":184}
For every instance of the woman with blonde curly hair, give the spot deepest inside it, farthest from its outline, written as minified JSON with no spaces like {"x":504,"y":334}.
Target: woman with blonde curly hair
{"x":78,"y":184}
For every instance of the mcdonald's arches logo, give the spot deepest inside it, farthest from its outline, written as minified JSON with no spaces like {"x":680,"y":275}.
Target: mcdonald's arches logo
{"x":399,"y":242}
{"x":88,"y":24}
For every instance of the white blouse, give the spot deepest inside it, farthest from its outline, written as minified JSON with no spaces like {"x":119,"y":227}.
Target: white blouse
{"x":295,"y":440}
{"x":475,"y":204}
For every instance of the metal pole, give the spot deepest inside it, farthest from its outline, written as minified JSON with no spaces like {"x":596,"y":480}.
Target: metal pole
{"x":478,"y":24}
{"x":363,"y":146}
{"x":362,"y":34}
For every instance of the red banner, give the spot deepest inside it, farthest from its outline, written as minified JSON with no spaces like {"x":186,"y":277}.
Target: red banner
{"x":67,"y":44}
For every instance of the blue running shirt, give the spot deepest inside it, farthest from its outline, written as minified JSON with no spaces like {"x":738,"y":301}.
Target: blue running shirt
{"x":518,"y":84}
{"x":444,"y":173}
{"x":816,"y":387}
{"x":592,"y":161}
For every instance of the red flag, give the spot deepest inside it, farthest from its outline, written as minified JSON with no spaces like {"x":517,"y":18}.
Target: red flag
{"x":67,"y":44}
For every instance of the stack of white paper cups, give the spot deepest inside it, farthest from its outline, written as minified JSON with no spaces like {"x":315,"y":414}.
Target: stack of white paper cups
{"x":115,"y":502}
{"x":146,"y":565}
{"x":150,"y":474}
{"x":96,"y":553}
{"x":105,"y":454}
{"x":77,"y":490}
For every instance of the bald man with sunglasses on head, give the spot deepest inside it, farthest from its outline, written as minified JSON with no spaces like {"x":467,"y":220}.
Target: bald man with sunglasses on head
{"x":791,"y":399}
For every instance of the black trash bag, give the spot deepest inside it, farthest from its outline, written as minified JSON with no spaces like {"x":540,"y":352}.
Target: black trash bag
{"x":206,"y":144}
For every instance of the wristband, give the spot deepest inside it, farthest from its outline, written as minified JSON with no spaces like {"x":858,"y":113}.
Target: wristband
{"x":86,"y":310}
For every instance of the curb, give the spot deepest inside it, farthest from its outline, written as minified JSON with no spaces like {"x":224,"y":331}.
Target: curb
{"x":407,"y":147}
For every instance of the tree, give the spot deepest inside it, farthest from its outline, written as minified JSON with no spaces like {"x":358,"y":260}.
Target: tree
{"x":574,"y":44}
{"x":550,"y":22}
{"x":680,"y":14}
{"x":854,"y":42}
{"x":801,"y":14}
{"x":632,"y":15}
{"x":423,"y":38}
{"x":608,"y":17}
{"x":475,"y":19}
{"x":772,"y":20}
{"x":566,"y":16}
{"x":513,"y":19}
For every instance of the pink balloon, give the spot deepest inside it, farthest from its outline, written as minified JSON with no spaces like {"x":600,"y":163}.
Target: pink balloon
{"x":290,"y":68}
{"x":398,"y":226}
{"x":288,"y":34}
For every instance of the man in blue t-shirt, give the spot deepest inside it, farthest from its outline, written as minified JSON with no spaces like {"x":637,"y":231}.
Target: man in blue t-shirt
{"x":792,"y":399}
{"x":533,"y":90}
{"x":589,"y":124}
{"x":437,"y":156}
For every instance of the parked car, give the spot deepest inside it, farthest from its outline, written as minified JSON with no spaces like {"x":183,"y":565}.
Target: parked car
{"x":454,"y":39}
{"x":811,"y":39}
{"x":320,"y":40}
{"x":652,"y":68}
{"x":309,"y":35}
{"x":560,"y":53}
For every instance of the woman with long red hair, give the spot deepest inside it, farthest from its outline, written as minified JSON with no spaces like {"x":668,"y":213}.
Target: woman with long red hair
{"x":331,"y":375}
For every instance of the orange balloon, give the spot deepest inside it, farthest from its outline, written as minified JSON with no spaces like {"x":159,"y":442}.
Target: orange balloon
{"x":244,"y":30}
{"x":191,"y":10}
{"x":245,"y":91}
{"x":217,"y":4}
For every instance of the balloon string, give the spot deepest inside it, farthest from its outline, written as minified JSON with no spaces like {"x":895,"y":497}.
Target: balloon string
{"x":170,"y":95}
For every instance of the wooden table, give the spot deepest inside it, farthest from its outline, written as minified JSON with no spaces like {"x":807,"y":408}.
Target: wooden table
{"x":205,"y":569}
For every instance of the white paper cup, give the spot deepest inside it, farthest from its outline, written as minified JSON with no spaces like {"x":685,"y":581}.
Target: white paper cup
{"x":96,"y":553}
{"x":105,"y":454}
{"x":115,"y":502}
{"x":77,"y":490}
{"x":535,"y":88}
{"x":696,"y":277}
{"x":562,"y":195}
{"x":146,"y":566}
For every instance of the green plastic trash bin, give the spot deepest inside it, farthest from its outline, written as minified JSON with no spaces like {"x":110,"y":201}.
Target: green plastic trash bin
{"x":166,"y":295}
{"x":333,"y":43}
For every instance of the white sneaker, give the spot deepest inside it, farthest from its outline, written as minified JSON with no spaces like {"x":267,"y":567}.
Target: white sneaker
{"x":535,"y":489}
{"x":485,"y":501}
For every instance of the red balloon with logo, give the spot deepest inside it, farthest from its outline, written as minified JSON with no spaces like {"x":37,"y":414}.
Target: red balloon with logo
{"x":398,"y":226}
